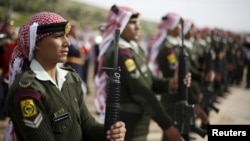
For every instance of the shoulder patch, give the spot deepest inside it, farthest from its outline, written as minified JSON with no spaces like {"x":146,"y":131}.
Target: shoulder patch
{"x":130,"y":65}
{"x":28,"y":108}
{"x":171,"y":58}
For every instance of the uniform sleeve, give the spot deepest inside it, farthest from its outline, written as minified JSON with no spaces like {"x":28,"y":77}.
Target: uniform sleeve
{"x":92,"y":130}
{"x":160,"y":85}
{"x":196,"y":74}
{"x":167,"y":60}
{"x":140,"y":89}
{"x":29,"y":116}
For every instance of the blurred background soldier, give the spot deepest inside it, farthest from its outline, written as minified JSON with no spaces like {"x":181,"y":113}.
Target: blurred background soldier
{"x":75,"y":57}
{"x":163,"y":59}
{"x":247,"y":62}
{"x":164,"y":62}
{"x":196,"y":94}
{"x":95,"y":47}
{"x":220,"y":62}
{"x":138,"y":103}
{"x":8,"y":38}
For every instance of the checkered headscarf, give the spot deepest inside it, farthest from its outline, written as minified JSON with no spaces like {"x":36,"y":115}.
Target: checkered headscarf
{"x":187,"y":26}
{"x":38,"y":27}
{"x":118,"y":17}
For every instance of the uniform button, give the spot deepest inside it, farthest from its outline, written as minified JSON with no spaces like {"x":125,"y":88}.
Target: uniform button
{"x":63,"y":127}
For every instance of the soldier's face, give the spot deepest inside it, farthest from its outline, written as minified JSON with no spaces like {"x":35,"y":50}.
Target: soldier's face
{"x":177,"y":30}
{"x":53,"y":48}
{"x":132,"y":30}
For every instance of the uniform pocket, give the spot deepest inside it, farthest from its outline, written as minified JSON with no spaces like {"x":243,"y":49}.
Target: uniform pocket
{"x":61,"y":123}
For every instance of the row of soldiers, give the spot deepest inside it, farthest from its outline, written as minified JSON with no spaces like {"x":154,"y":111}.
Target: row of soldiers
{"x":215,"y":58}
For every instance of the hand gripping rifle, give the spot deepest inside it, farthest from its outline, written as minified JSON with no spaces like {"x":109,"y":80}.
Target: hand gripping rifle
{"x":184,"y":115}
{"x":112,"y":89}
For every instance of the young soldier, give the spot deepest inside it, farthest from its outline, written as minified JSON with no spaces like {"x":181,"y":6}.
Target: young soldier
{"x":138,"y":103}
{"x":46,"y":102}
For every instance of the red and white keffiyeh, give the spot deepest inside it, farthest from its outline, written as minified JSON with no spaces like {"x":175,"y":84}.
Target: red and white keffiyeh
{"x":187,"y":26}
{"x":169,"y":22}
{"x":27,"y":36}
{"x":118,"y":17}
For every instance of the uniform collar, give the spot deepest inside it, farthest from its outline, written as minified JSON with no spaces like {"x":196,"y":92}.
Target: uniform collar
{"x":42,"y":75}
{"x":133,"y":45}
{"x":188,"y":43}
{"x":173,"y":41}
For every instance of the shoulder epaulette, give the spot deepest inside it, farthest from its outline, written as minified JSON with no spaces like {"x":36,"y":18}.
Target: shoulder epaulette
{"x":68,"y":68}
{"x":123,"y":46}
{"x":72,"y":75}
{"x":168,"y":45}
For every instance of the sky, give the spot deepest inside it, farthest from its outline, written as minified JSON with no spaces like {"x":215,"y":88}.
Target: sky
{"x":233,"y":15}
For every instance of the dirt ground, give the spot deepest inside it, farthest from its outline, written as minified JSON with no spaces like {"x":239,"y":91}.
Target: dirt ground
{"x":234,"y":109}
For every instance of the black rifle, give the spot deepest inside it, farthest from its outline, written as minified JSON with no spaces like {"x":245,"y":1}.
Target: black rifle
{"x":184,"y":115}
{"x":112,"y":89}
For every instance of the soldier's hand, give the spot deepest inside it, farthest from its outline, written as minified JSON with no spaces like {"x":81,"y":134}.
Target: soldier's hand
{"x":187,"y":79}
{"x":173,"y":134}
{"x":218,"y":76}
{"x":199,"y":111}
{"x":117,"y":132}
{"x":210,"y":76}
{"x":173,"y":83}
